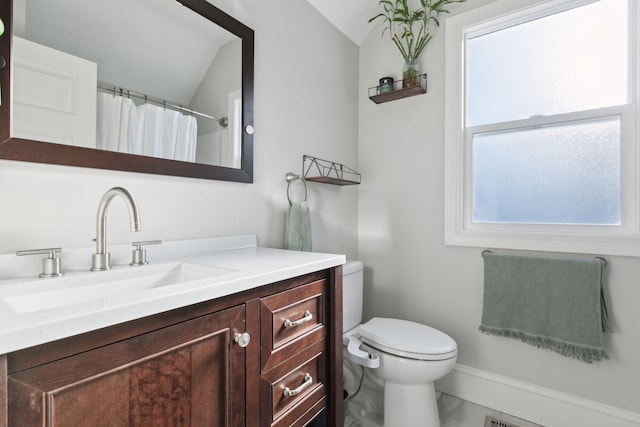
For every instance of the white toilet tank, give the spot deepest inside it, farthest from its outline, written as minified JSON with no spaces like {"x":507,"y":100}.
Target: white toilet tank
{"x":352,"y":294}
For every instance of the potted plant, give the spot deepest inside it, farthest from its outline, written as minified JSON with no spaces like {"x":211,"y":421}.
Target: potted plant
{"x":411,"y":30}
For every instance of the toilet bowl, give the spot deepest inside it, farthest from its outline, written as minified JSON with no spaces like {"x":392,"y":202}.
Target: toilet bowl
{"x":406,"y":357}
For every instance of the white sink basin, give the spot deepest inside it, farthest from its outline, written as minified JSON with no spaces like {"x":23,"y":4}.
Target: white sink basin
{"x":104,"y":288}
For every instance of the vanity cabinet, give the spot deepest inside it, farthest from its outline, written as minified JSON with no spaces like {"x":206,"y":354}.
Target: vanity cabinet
{"x":181,"y":375}
{"x":185,"y":367}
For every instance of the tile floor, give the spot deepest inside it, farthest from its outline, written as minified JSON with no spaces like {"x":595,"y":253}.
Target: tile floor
{"x":455,"y":412}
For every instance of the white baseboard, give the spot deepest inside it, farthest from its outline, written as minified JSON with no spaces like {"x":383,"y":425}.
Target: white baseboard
{"x":539,"y":405}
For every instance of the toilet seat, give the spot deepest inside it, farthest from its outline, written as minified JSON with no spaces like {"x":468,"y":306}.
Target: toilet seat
{"x":407,"y":339}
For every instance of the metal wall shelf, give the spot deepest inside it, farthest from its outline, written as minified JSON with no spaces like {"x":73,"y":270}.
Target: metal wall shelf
{"x":399,"y":91}
{"x":328,"y":172}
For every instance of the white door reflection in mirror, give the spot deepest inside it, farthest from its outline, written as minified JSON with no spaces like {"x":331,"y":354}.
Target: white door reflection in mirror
{"x":54,"y":95}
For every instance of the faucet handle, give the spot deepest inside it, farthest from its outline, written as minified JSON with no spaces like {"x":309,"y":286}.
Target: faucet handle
{"x":140,"y":255}
{"x":52,"y":265}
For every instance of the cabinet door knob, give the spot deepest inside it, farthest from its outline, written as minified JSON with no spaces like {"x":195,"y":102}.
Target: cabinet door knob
{"x":292,"y":324}
{"x":308,"y":380}
{"x":242,"y":339}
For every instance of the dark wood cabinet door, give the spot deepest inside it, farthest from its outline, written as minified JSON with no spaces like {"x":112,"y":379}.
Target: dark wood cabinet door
{"x":188,"y":374}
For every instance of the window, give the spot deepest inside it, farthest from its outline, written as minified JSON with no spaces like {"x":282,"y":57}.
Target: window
{"x":541,"y":141}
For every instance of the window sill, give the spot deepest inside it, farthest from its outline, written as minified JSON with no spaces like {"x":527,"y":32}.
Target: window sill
{"x":624,"y":245}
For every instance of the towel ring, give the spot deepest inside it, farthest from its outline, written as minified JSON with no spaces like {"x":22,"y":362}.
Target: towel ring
{"x":291,"y":178}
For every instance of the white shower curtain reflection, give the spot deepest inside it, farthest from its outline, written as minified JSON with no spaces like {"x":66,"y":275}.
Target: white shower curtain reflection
{"x":185,"y":147}
{"x":151,"y":130}
{"x":148,"y":129}
{"x":117,"y":123}
{"x":167,"y":133}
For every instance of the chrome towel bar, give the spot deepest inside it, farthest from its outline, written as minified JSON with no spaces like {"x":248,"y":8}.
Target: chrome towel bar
{"x":603,"y":260}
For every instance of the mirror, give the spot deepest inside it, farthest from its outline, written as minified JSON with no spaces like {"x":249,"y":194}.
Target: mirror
{"x":147,"y":86}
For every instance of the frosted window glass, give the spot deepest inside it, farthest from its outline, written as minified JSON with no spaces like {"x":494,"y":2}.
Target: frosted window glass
{"x":561,"y":174}
{"x":570,"y":61}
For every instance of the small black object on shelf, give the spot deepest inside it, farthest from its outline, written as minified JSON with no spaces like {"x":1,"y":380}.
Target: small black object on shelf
{"x":386,"y":85}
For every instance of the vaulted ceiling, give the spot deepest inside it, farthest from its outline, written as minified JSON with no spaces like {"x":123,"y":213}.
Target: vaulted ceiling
{"x":349,"y":16}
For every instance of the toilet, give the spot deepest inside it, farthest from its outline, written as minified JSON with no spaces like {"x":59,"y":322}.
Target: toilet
{"x":404,"y":358}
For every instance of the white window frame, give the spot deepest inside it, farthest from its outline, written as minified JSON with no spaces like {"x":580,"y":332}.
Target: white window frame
{"x":459,"y":228}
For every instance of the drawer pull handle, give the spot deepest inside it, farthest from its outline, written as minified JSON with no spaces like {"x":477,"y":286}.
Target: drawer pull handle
{"x":307,"y":317}
{"x":308,"y":380}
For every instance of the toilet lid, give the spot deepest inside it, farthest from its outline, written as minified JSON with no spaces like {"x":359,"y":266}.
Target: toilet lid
{"x":408,"y":339}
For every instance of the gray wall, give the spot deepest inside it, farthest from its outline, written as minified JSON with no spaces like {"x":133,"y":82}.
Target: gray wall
{"x":401,"y":221}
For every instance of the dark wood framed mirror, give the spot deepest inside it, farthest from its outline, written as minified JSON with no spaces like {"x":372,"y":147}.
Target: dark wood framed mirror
{"x":24,"y":148}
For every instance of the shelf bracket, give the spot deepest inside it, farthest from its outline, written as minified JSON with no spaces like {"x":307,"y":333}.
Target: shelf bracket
{"x":328,"y":172}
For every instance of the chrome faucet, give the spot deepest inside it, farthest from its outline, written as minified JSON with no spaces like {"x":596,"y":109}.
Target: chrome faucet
{"x":101,"y":260}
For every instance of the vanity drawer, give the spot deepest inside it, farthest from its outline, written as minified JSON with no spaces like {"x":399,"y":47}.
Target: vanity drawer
{"x":295,"y":389}
{"x":291,"y":321}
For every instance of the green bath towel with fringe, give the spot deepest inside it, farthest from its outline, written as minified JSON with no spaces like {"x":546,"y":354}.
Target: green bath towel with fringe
{"x":552,"y":303}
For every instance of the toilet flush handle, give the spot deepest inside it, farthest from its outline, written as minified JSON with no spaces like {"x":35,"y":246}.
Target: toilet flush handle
{"x":359,"y":356}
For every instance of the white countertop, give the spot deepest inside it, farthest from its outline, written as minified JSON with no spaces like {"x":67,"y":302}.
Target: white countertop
{"x":242,"y":265}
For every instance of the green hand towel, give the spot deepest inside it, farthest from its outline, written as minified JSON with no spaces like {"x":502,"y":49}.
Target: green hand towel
{"x":298,"y":228}
{"x":553,"y":303}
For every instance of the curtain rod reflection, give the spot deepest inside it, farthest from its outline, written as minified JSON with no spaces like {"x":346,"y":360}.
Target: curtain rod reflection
{"x":106,"y":87}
